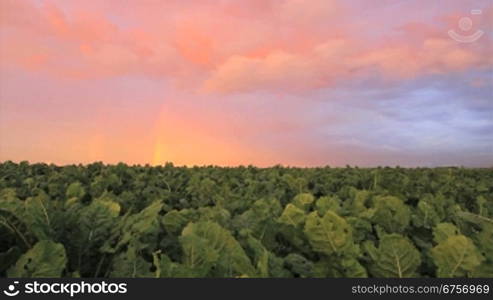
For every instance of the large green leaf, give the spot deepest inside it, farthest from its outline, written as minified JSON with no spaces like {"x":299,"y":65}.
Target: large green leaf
{"x":292,"y":216}
{"x":90,"y":228}
{"x":198,"y":254}
{"x":45,"y":259}
{"x":330,"y":234}
{"x":395,"y":257}
{"x":267,"y":264}
{"x":75,"y":190}
{"x":38,"y":216}
{"x":357,"y":205}
{"x":484,"y":240}
{"x":303,"y":201}
{"x":207,"y":244}
{"x":175,"y":220}
{"x":361,"y":228}
{"x":429,"y":211}
{"x":443,"y":231}
{"x":137,"y":227}
{"x":425,"y":215}
{"x":260,"y":219}
{"x":326,"y":203}
{"x":215,"y":214}
{"x":261,"y":256}
{"x":456,"y":256}
{"x":11,"y":204}
{"x":34,"y":212}
{"x":352,"y":268}
{"x":12,"y":215}
{"x":391,"y":213}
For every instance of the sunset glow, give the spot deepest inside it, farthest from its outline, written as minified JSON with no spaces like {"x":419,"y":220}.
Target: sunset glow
{"x":262,"y":82}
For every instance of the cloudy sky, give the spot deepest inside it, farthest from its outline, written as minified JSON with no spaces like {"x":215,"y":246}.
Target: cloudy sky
{"x":263,"y":82}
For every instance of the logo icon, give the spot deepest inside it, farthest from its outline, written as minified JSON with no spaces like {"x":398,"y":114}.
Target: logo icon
{"x":11,"y":291}
{"x":465,"y":24}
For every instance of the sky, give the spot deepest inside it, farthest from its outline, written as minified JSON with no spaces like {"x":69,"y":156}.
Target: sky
{"x":238,"y":82}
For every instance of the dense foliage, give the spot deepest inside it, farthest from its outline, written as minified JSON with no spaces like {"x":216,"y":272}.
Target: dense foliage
{"x":140,"y":221}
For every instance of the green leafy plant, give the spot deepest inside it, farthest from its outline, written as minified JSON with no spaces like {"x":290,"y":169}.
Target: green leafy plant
{"x":166,"y":221}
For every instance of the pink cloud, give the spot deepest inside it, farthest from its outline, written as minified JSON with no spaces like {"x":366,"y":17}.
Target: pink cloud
{"x":337,"y":60}
{"x":321,"y":66}
{"x":88,"y":65}
{"x":227,"y":47}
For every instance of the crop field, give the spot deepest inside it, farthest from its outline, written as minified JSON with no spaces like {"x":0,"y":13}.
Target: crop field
{"x":101,"y":220}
